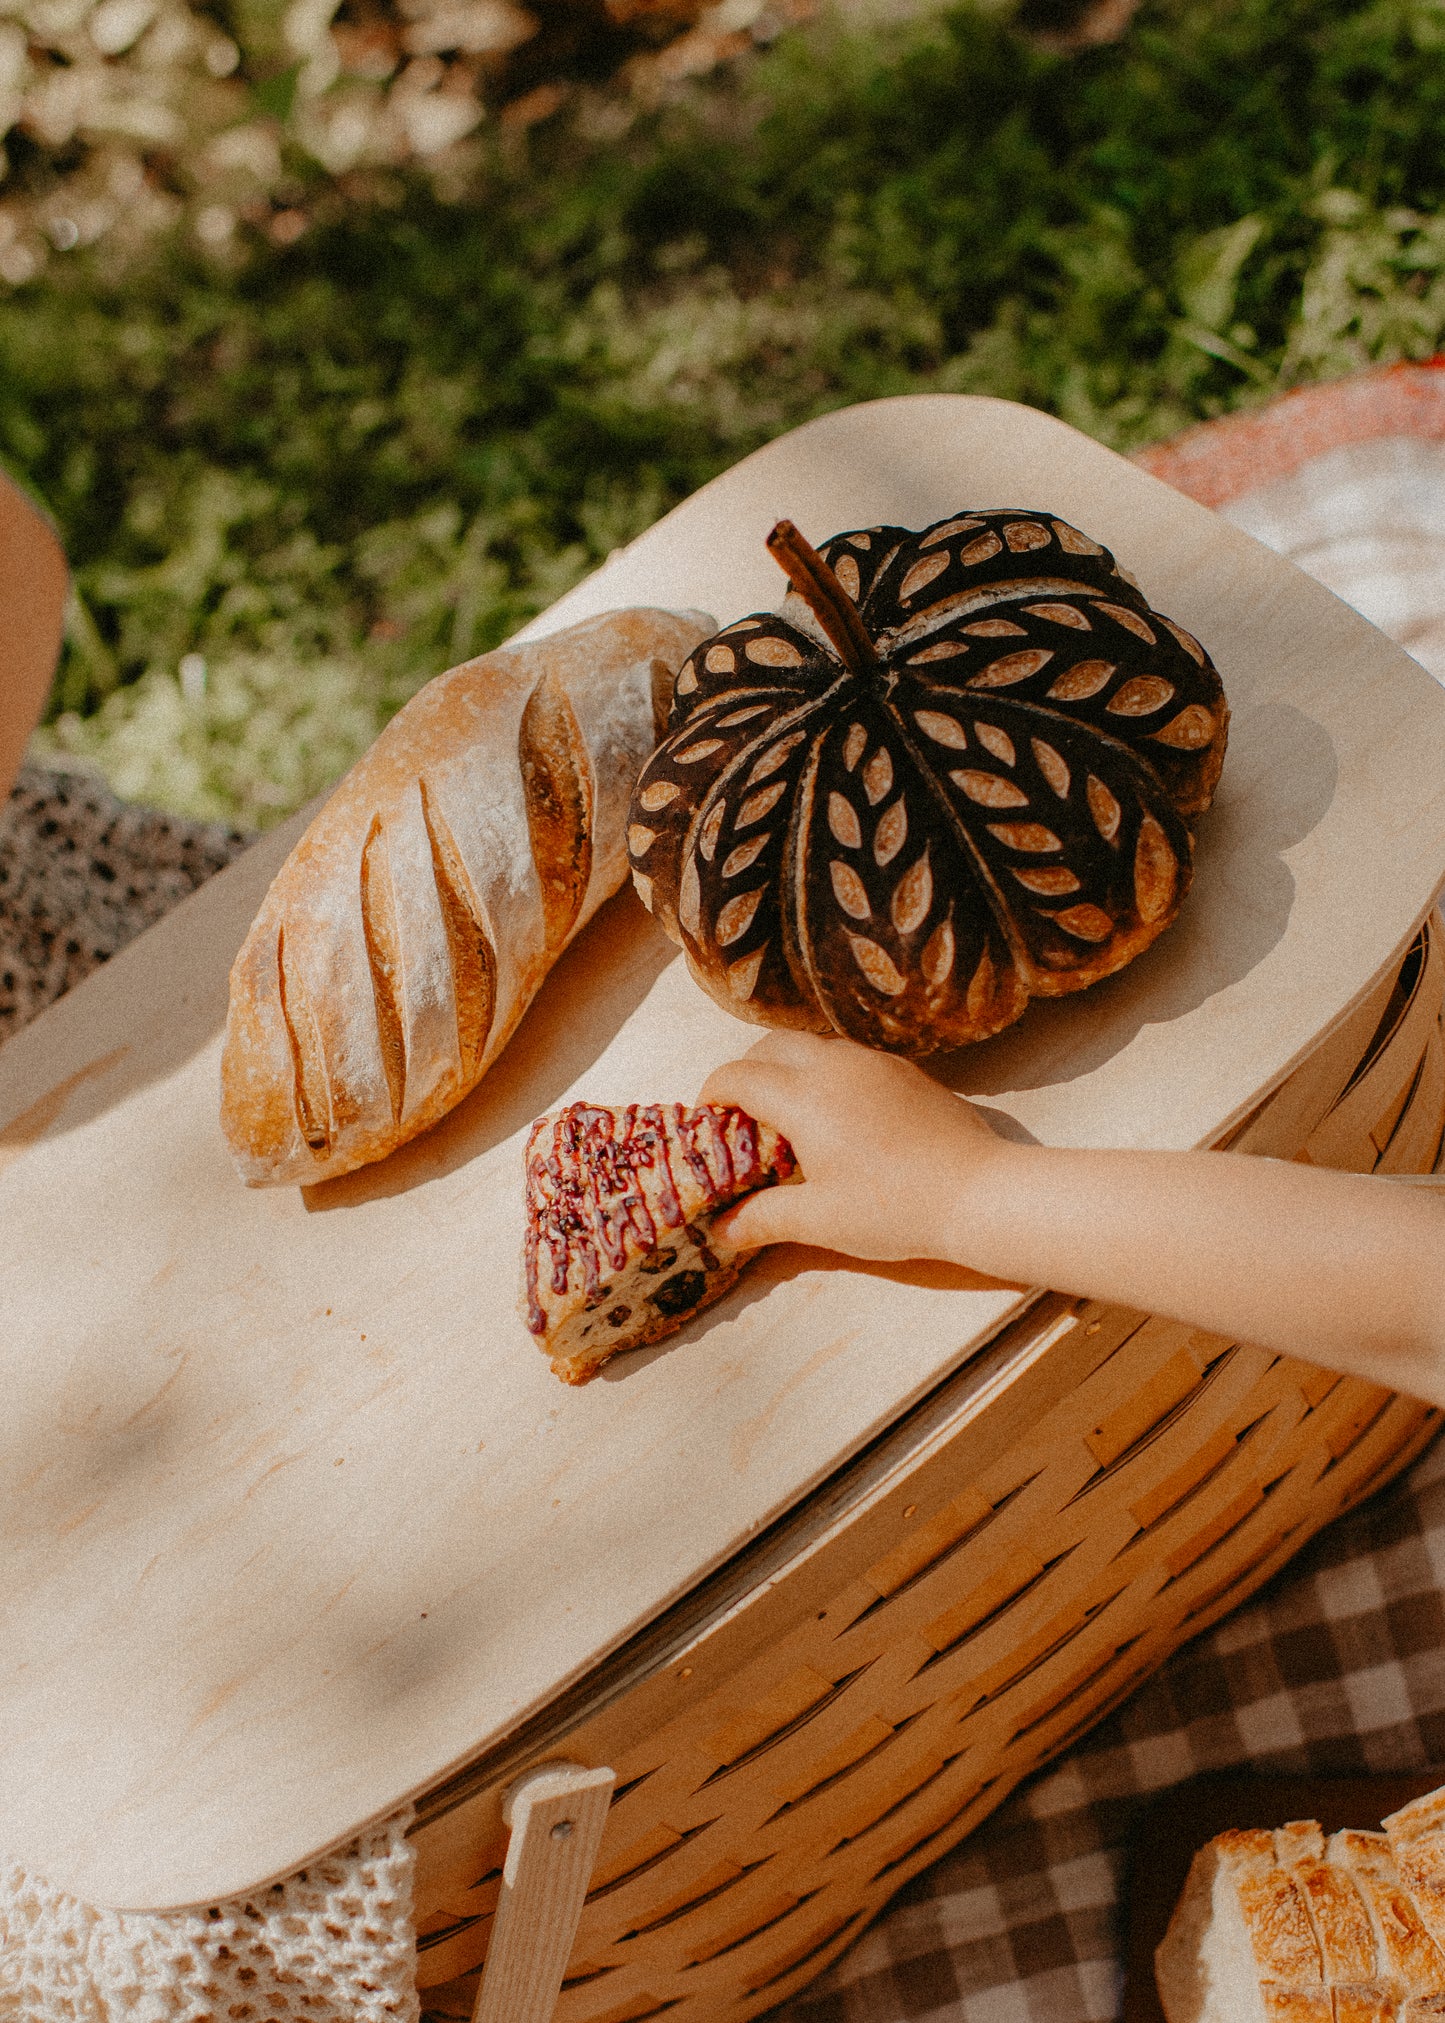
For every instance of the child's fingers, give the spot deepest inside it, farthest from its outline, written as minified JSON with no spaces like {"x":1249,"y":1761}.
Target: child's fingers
{"x":770,"y":1216}
{"x":778,"y":1052}
{"x":760,"y":1087}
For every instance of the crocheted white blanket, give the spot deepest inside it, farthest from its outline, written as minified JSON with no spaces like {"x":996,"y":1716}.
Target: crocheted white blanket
{"x":333,"y":1944}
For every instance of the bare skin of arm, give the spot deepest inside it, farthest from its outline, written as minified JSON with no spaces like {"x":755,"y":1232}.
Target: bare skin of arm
{"x":1338,"y":1268}
{"x":32,"y":597}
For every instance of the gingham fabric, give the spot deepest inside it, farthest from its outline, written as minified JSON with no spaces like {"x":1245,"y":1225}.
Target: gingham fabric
{"x":1336,"y":1668}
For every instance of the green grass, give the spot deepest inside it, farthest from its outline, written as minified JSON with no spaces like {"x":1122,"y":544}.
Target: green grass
{"x":333,"y":470}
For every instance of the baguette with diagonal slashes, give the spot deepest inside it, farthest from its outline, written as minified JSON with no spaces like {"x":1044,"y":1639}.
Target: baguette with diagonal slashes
{"x":414,"y":921}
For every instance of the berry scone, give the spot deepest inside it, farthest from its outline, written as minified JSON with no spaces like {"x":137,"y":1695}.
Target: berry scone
{"x":620,"y":1208}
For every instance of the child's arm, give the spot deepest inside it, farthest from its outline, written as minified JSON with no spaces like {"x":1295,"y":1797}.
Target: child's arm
{"x":1335,"y":1267}
{"x":32,"y":607}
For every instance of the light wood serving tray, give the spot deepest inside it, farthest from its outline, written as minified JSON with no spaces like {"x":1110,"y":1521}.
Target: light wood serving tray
{"x":294,"y":1518}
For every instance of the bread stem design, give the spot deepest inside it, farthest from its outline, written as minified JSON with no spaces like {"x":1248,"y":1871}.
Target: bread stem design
{"x":411,"y":926}
{"x":953,"y":773}
{"x":618,"y":1249}
{"x":823,"y":593}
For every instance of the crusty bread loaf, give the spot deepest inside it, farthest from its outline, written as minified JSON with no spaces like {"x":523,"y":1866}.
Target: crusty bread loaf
{"x":1286,"y":1927}
{"x":1417,"y":1841}
{"x":1405,"y":1951}
{"x":412,"y":924}
{"x":1240,"y":1939}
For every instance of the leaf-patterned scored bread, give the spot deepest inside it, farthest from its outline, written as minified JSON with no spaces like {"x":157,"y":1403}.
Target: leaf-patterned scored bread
{"x":620,"y":1205}
{"x":1286,"y":1927}
{"x":953,"y":773}
{"x":413,"y":923}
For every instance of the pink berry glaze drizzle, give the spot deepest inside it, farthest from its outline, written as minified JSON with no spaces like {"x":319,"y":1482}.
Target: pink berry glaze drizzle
{"x":585,"y":1195}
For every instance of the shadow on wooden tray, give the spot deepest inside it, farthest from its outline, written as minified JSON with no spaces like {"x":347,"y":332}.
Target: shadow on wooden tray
{"x":1180,"y":1821}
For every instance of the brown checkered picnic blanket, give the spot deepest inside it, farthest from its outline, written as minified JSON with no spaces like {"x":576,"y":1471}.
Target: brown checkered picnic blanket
{"x":1336,"y":1668}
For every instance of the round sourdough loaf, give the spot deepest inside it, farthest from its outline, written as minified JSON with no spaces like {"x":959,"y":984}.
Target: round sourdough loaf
{"x":952,"y":774}
{"x":411,"y":926}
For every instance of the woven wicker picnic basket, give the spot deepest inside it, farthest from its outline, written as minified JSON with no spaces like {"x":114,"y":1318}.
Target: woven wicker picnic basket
{"x":299,"y":1527}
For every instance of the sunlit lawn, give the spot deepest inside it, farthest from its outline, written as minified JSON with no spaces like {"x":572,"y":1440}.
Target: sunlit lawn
{"x":296,"y":485}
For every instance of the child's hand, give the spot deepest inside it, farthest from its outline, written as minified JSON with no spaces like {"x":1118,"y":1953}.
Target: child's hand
{"x":884,"y":1151}
{"x":1333,"y":1267}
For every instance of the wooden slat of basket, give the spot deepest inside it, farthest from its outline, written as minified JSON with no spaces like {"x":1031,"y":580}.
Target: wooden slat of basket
{"x":557,"y":1816}
{"x":1007,"y":1567}
{"x":898,"y":1805}
{"x":1358,"y":1127}
{"x":1417,"y":1137}
{"x":848,"y":1845}
{"x":1285,"y":1119}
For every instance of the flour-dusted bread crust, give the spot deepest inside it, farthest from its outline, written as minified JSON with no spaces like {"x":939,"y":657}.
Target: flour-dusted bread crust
{"x":411,"y":926}
{"x":1416,"y":1834}
{"x":1291,"y":1928}
{"x":1341,"y":1922}
{"x":1239,"y":1938}
{"x":1406,"y":1950}
{"x":1301,"y":1840}
{"x":1369,"y":2002}
{"x":620,"y":1203}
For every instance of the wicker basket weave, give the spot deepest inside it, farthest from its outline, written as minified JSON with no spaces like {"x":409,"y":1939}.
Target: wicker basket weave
{"x":868,"y":1681}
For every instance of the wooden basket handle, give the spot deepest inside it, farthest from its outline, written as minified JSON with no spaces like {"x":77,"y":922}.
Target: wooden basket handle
{"x":556,"y":1813}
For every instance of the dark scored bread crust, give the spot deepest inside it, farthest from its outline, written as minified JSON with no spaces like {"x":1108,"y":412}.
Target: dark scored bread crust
{"x":620,"y":1205}
{"x":989,"y":806}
